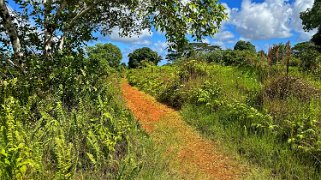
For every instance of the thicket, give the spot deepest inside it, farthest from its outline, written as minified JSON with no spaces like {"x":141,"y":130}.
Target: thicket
{"x":63,"y":118}
{"x":268,"y":115}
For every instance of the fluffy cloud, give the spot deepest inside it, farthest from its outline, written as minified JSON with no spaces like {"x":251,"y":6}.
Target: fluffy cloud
{"x":161,"y":48}
{"x":224,"y":36}
{"x":143,"y":38}
{"x":270,"y":19}
{"x":296,"y":22}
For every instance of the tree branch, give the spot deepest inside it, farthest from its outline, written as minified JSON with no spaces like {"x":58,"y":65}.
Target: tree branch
{"x":11,"y":29}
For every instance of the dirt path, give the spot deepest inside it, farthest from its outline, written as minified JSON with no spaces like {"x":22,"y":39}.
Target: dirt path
{"x":192,"y":157}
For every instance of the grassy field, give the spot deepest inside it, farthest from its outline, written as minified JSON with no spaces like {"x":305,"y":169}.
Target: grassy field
{"x":272,"y":123}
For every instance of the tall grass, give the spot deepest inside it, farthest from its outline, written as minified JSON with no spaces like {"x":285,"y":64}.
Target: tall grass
{"x":272,"y":122}
{"x":65,"y":119}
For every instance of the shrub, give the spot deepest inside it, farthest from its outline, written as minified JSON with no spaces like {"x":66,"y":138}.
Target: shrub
{"x":239,"y":58}
{"x":247,"y":118}
{"x":294,"y":61}
{"x":62,"y":119}
{"x":206,"y":93}
{"x":215,"y":56}
{"x":283,"y":87}
{"x":192,"y":69}
{"x":309,"y":60}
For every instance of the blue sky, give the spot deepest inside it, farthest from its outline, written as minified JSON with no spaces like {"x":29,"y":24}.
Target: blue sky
{"x":262,"y":22}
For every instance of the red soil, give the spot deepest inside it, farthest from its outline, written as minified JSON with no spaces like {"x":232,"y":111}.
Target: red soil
{"x":196,"y":157}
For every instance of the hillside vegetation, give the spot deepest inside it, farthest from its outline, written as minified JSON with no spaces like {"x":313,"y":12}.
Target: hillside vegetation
{"x":64,"y":113}
{"x":267,"y":114}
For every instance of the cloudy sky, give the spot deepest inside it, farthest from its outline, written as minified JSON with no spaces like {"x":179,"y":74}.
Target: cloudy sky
{"x":263,"y":22}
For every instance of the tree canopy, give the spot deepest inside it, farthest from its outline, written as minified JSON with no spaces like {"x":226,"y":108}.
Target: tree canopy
{"x":311,"y":19}
{"x":300,"y":48}
{"x":244,"y":45}
{"x":143,"y":54}
{"x":192,"y":49}
{"x":49,"y":26}
{"x":105,"y":52}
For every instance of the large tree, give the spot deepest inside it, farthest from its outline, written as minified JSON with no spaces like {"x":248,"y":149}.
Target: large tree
{"x":191,"y":50}
{"x":244,"y":46}
{"x":49,"y":26}
{"x":143,"y":54}
{"x":311,"y":19}
{"x":105,"y":52}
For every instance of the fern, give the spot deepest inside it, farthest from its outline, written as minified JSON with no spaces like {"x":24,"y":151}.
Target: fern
{"x":64,"y":158}
{"x":16,"y":157}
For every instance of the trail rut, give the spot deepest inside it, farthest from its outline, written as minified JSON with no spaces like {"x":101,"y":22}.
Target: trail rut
{"x":192,"y":156}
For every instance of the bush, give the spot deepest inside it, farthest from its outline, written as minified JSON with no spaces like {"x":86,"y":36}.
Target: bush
{"x":239,"y":58}
{"x":215,"y":56}
{"x":192,"y":69}
{"x":62,"y":119}
{"x":295,"y":62}
{"x":309,"y":60}
{"x":205,"y":94}
{"x":286,"y":86}
{"x":247,"y":118}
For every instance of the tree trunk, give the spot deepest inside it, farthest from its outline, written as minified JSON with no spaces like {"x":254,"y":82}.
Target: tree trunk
{"x":11,"y":29}
{"x":62,"y":43}
{"x":48,"y":31}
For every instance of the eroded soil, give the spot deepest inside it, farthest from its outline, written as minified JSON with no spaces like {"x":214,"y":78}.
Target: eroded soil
{"x":191,"y":156}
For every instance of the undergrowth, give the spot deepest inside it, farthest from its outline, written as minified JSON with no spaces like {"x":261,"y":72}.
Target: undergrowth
{"x":269,"y":117}
{"x":65,"y":119}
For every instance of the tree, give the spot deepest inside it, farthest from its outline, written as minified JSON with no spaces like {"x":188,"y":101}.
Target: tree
{"x":50,"y":26}
{"x":310,"y":60}
{"x":238,"y":58}
{"x":311,"y":19}
{"x":143,"y":54}
{"x":309,"y":54}
{"x":191,"y":50}
{"x":106,"y":52}
{"x":244,"y":46}
{"x":215,"y":56}
{"x":300,"y":48}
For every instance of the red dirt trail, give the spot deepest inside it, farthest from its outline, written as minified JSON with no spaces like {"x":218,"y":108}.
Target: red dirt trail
{"x":194,"y":157}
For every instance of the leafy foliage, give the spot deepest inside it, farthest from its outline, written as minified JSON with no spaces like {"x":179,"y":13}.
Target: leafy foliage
{"x":105,"y":52}
{"x":311,"y":19}
{"x":191,"y":50}
{"x":143,"y":54}
{"x":63,"y":122}
{"x":245,"y":46}
{"x":53,"y":26}
{"x":271,"y":120}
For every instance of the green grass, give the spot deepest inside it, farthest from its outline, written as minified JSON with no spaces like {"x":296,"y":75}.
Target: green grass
{"x":276,"y":159}
{"x":283,"y":143}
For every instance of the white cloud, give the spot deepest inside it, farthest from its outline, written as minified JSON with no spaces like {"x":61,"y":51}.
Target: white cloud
{"x":220,"y":43}
{"x":296,"y":22}
{"x":263,"y":20}
{"x":143,"y":42}
{"x":161,"y":48}
{"x":224,"y":36}
{"x":143,"y":38}
{"x":270,"y":19}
